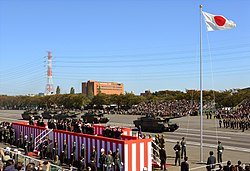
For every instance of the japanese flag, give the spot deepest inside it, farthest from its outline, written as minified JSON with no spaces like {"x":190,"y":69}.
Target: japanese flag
{"x":217,"y":22}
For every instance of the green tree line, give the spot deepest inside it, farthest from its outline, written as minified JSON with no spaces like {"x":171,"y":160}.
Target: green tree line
{"x":227,"y":98}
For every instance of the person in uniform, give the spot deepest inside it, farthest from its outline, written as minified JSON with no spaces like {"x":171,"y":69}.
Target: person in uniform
{"x":7,"y":135}
{"x":55,"y":149}
{"x":45,"y":147}
{"x":220,"y":149}
{"x":26,"y":144}
{"x":163,"y":157}
{"x":162,"y":141}
{"x":109,"y":161}
{"x":40,"y":149}
{"x":177,"y":149}
{"x":117,"y":159}
{"x":12,"y":136}
{"x":183,"y":148}
{"x":30,"y":145}
{"x":64,"y":154}
{"x":93,"y":154}
{"x":220,"y":122}
{"x":83,"y":152}
{"x":73,"y":154}
{"x":82,"y":164}
{"x":185,"y":165}
{"x":102,"y":160}
{"x":92,"y":164}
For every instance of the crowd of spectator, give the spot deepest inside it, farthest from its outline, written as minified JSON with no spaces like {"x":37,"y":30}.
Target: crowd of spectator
{"x":176,"y":108}
{"x":13,"y":160}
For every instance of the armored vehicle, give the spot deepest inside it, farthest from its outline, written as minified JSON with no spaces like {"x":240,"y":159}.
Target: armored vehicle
{"x":91,"y":117}
{"x":49,"y":114}
{"x":27,"y":114}
{"x":155,"y":124}
{"x":65,"y":115}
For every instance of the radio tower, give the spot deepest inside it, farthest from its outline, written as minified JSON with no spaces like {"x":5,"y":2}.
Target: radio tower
{"x":50,"y":85}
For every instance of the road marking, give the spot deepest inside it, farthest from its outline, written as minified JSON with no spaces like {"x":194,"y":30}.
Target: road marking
{"x":197,"y":135}
{"x":222,"y":132}
{"x":212,"y":145}
{"x":11,"y":119}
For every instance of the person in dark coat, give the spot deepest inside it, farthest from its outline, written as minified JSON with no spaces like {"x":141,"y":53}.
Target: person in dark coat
{"x":55,"y":149}
{"x":185,"y":165}
{"x":83,"y":153}
{"x":93,"y":154}
{"x":64,"y":154}
{"x":82,"y":164}
{"x":117,"y":159}
{"x":211,"y":161}
{"x":73,"y":154}
{"x":227,"y":167}
{"x":239,"y":166}
{"x":177,"y":149}
{"x":163,"y":157}
{"x":183,"y":147}
{"x":102,"y":160}
{"x":92,"y":164}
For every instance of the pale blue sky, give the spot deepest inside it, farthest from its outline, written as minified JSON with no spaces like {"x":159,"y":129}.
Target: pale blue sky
{"x":145,"y":44}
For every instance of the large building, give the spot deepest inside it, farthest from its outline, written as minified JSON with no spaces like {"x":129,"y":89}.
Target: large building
{"x":95,"y":87}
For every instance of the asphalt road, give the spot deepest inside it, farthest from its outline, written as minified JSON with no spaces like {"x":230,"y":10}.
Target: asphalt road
{"x":235,"y":142}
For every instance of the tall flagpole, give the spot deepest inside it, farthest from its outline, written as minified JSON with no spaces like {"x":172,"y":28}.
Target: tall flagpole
{"x":201,"y":102}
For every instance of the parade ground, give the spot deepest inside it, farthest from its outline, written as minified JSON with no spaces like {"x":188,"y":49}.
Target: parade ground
{"x":235,"y":142}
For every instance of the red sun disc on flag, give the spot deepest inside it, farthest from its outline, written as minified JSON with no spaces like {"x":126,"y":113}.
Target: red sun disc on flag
{"x":220,"y":21}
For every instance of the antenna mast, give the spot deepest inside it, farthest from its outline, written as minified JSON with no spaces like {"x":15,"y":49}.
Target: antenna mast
{"x":50,"y":86}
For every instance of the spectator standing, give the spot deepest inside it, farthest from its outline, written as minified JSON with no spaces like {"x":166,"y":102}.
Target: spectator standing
{"x":240,"y":168}
{"x":211,"y":161}
{"x":185,"y":165}
{"x":227,"y":167}
{"x":10,"y":165}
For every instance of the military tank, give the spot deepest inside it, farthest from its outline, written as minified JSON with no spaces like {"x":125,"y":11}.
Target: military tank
{"x":155,"y":124}
{"x":27,"y":114}
{"x":49,"y":114}
{"x":65,"y":115}
{"x":92,"y":117}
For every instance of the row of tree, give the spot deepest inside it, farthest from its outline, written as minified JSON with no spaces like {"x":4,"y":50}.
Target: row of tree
{"x":227,"y":98}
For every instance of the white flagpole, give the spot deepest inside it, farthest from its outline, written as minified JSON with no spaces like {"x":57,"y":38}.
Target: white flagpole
{"x":201,"y":102}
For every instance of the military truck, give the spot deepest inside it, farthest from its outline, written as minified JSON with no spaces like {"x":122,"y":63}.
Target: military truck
{"x":27,"y":114}
{"x":91,"y":117}
{"x":155,"y":124}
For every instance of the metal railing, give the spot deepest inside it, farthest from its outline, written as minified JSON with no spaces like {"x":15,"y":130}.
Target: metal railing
{"x":41,"y":136}
{"x":155,"y":153}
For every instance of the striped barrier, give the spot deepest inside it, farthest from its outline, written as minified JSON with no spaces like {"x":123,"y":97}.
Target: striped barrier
{"x":135,"y":153}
